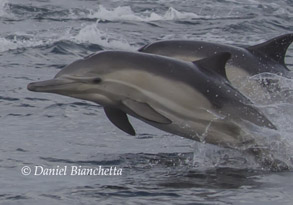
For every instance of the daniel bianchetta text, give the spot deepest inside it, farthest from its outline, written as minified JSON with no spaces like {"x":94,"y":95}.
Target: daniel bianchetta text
{"x":71,"y":171}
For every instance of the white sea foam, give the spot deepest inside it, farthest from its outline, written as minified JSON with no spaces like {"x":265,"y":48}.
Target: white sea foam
{"x":278,"y":106}
{"x":3,"y":7}
{"x":12,"y":44}
{"x":125,"y":13}
{"x":92,"y":34}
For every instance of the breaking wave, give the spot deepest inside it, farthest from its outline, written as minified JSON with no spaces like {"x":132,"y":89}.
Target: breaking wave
{"x":87,"y":34}
{"x":125,"y":13}
{"x":93,"y":35}
{"x":19,"y":42}
{"x":3,"y":7}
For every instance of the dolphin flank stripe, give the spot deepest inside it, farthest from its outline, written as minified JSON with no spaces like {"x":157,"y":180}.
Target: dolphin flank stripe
{"x":189,"y":99}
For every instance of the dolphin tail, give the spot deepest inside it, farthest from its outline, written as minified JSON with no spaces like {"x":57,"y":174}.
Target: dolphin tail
{"x":275,"y":48}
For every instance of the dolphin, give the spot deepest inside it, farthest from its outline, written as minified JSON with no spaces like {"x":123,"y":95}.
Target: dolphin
{"x":190,"y":99}
{"x":267,"y":57}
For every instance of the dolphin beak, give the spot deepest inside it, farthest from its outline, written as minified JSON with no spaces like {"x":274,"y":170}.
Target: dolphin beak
{"x":48,"y":85}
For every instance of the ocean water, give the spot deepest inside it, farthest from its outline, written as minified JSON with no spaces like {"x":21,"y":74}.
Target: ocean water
{"x":47,"y":131}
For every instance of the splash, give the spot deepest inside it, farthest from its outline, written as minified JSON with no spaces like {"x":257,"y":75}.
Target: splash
{"x":273,"y":147}
{"x":272,"y":88}
{"x":93,"y":35}
{"x":173,"y":14}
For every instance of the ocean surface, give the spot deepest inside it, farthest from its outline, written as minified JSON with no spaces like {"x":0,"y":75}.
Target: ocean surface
{"x":50,"y":132}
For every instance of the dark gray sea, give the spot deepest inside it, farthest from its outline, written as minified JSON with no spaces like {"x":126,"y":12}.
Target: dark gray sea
{"x":40,"y":132}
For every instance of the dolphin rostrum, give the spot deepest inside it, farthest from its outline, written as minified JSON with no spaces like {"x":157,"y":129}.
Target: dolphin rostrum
{"x":189,"y":99}
{"x":267,"y":57}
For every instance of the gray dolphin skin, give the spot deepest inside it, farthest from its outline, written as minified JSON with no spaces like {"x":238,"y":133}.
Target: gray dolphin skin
{"x":245,"y":61}
{"x":189,"y":99}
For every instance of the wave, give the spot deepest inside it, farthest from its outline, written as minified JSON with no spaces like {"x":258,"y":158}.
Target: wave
{"x":125,"y":13}
{"x":3,"y":8}
{"x":65,"y":40}
{"x":120,"y":13}
{"x":92,"y":34}
{"x":246,"y":9}
{"x":18,"y":42}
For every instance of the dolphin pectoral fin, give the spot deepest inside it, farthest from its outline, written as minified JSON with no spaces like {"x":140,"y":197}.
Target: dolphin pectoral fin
{"x":215,"y":63}
{"x":120,"y":119}
{"x":275,"y":48}
{"x":146,"y":112}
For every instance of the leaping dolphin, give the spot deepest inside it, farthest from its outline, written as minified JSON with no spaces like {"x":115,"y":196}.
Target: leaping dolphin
{"x":245,"y":61}
{"x":189,"y":99}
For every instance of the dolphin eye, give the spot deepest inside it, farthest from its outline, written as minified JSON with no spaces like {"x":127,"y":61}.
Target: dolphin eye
{"x":96,"y":80}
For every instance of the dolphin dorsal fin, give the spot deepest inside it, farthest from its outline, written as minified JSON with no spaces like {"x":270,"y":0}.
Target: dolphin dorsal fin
{"x":275,"y":48}
{"x":215,"y":63}
{"x":120,"y":119}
